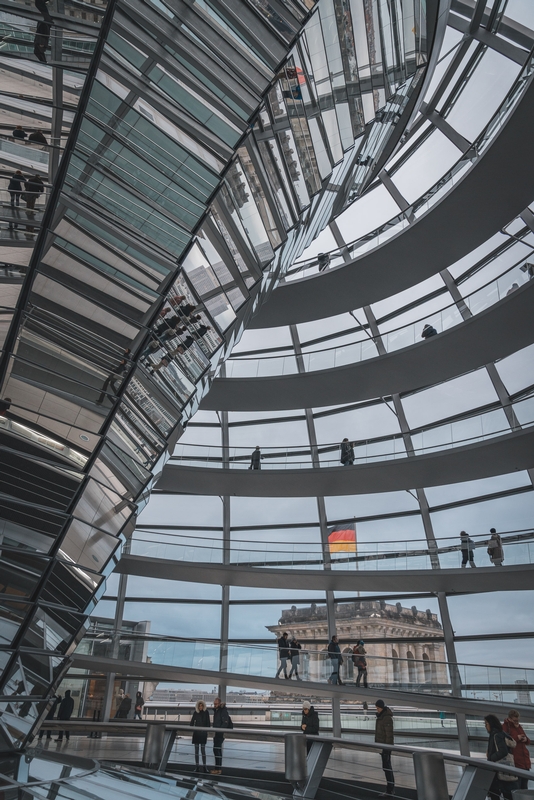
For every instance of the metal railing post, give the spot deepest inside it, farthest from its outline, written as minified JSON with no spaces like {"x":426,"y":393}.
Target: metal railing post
{"x":316,"y":763}
{"x":474,"y":784}
{"x":295,"y":759}
{"x":430,"y":778}
{"x":170,"y":738}
{"x":456,"y":679}
{"x":154,"y":745}
{"x":107,"y":705}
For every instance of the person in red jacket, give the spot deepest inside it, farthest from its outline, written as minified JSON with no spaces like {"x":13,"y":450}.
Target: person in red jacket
{"x":520,"y":752}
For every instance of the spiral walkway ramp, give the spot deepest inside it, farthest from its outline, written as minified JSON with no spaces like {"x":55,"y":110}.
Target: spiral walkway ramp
{"x":483,"y":201}
{"x":458,"y":350}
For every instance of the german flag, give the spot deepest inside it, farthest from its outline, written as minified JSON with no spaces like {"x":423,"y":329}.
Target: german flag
{"x":342,"y":539}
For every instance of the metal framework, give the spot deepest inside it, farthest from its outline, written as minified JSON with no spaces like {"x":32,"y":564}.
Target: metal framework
{"x":193,"y":152}
{"x":454,"y":296}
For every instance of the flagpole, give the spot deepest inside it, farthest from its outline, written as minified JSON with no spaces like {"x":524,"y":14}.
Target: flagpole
{"x":356,"y":543}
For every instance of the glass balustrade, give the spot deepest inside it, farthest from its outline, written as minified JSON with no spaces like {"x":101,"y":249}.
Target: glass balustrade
{"x":411,"y":674}
{"x":25,"y":155}
{"x":368,"y":556}
{"x":354,"y":763}
{"x":354,"y":352}
{"x":432,"y":440}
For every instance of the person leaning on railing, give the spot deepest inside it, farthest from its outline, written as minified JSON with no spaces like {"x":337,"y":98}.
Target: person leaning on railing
{"x":428,"y":331}
{"x":255,"y":458}
{"x":520,"y":752}
{"x":310,"y":722}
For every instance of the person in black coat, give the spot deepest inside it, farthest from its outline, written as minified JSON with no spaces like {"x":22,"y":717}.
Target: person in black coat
{"x":221,"y":719}
{"x":37,"y":137}
{"x":186,"y":310}
{"x":200,"y":719}
{"x":384,"y":734}
{"x":168,"y":323}
{"x":497,"y":750}
{"x":336,"y":659}
{"x":5,"y":405}
{"x":50,"y":715}
{"x":66,"y":707}
{"x":138,"y":708}
{"x":15,"y":188}
{"x":294,"y":654}
{"x":201,"y":331}
{"x":41,"y":44}
{"x":42,"y":6}
{"x":310,"y":722}
{"x":19,"y":133}
{"x":124,"y":707}
{"x":283,"y":654}
{"x":114,"y":378}
{"x":428,"y":331}
{"x":255,"y":458}
{"x":347,"y":453}
{"x":34,"y":187}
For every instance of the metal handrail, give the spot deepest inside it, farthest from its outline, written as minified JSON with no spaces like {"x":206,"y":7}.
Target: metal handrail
{"x":519,"y":534}
{"x":252,"y":546}
{"x":276,"y":736}
{"x":438,"y":734}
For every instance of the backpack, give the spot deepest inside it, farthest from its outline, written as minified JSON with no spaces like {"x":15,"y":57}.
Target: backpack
{"x":230,"y":723}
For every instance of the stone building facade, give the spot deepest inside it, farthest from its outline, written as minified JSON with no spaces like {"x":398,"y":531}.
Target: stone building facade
{"x":403,"y":662}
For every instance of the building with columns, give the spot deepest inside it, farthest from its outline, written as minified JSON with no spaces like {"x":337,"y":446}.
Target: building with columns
{"x":405,"y":661}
